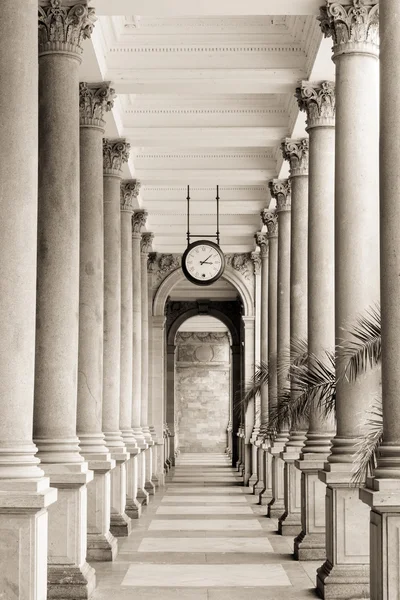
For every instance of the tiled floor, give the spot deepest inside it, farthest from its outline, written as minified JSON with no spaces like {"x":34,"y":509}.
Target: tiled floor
{"x":203,"y":537}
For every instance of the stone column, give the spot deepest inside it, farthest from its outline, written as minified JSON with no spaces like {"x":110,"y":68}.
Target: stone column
{"x":270,"y":222}
{"x":248,"y":417}
{"x":382,"y":493}
{"x":262,"y":486}
{"x":255,"y":470}
{"x":62,"y":30}
{"x":139,"y":221}
{"x":157,"y":374}
{"x":318,"y":101}
{"x":354,"y":28}
{"x":296,"y":152}
{"x":129,"y":193}
{"x":145,"y":248}
{"x":115,"y":153}
{"x":24,"y":491}
{"x":280,"y":190}
{"x":94,"y":101}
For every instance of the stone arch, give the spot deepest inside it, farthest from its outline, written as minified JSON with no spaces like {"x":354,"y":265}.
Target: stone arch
{"x":212,"y":312}
{"x":176,"y":276}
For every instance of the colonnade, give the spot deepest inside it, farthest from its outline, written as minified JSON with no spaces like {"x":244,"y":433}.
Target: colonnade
{"x":76,"y":444}
{"x":341,"y":253}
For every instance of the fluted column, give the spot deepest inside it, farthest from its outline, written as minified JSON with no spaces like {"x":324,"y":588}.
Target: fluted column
{"x":62,"y":29}
{"x":280,"y":190}
{"x":24,"y":491}
{"x":145,"y":248}
{"x":354,"y":29}
{"x":318,"y":101}
{"x":94,"y":101}
{"x":115,"y":153}
{"x":129,"y":193}
{"x":383,"y":490}
{"x":296,"y":152}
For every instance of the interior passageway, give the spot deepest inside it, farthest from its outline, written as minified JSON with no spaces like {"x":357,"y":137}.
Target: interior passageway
{"x":204,"y":538}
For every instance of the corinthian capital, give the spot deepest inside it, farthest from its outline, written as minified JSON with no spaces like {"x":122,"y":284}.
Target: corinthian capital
{"x":280,"y":190}
{"x":296,"y":152}
{"x":115,"y":153}
{"x":318,"y":101}
{"x":138,"y":221}
{"x":146,"y":244}
{"x":129,"y":193}
{"x":256,"y":258}
{"x":95,"y":99}
{"x":270,"y":220}
{"x":261,"y":240}
{"x":64,"y":25}
{"x":353,"y":25}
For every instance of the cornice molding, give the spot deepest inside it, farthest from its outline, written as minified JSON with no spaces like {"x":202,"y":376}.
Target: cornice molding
{"x":207,"y":49}
{"x":62,"y":27}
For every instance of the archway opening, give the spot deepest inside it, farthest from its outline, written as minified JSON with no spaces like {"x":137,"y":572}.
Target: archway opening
{"x":203,"y":385}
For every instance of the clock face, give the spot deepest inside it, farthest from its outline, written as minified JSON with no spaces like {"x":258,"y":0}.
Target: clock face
{"x":203,"y":262}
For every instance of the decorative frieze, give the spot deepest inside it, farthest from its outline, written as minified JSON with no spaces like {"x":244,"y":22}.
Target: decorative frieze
{"x":280,"y":190}
{"x":138,"y":221}
{"x":296,"y":153}
{"x":318,"y":101}
{"x":129,"y":193}
{"x":261,"y":240}
{"x":241,"y":262}
{"x":146,"y":244}
{"x":270,"y":220}
{"x":353,"y":26}
{"x":63,"y":28}
{"x":95,"y":99}
{"x":161,"y":265}
{"x":115,"y":153}
{"x":200,"y":336}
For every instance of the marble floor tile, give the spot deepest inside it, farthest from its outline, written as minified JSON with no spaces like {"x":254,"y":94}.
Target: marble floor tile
{"x":206,"y":545}
{"x":260,"y":575}
{"x":204,"y":510}
{"x":204,"y":525}
{"x":203,"y":490}
{"x":201,"y":499}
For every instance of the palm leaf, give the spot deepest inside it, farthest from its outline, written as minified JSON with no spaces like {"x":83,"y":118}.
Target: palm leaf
{"x":365,"y":457}
{"x":365,"y":349}
{"x":256,"y":383}
{"x":314,"y":383}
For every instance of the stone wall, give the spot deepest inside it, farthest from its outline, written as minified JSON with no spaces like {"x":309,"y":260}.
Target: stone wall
{"x":202,"y":390}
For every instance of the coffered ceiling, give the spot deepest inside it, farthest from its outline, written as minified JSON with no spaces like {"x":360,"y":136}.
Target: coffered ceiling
{"x":205,"y":99}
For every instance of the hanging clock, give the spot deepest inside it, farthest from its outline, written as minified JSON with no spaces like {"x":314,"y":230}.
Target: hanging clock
{"x":203,"y":262}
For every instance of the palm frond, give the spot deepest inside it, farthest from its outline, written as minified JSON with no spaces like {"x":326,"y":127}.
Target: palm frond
{"x":296,"y":353}
{"x":365,"y":349}
{"x":314,"y":383}
{"x":365,"y":457}
{"x":256,"y":383}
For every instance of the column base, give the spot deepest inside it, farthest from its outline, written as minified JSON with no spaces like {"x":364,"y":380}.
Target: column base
{"x":275,"y":509}
{"x":120,"y":525}
{"x":133,"y":508}
{"x":258,"y":487}
{"x":342,"y":582}
{"x":252,"y":481}
{"x":265,"y":497}
{"x":150,"y":488}
{"x":101,"y":547}
{"x":143,"y":497}
{"x":310,"y":546}
{"x":69,"y":582}
{"x":289,"y":525}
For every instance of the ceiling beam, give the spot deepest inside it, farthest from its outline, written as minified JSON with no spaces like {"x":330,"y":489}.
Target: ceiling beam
{"x":163,"y":8}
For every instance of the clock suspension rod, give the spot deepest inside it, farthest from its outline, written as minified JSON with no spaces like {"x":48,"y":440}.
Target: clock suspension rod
{"x":217,"y":236}
{"x":188,"y":216}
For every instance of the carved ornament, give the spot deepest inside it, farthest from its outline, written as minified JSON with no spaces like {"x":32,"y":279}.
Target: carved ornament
{"x":162,"y":265}
{"x":270,"y":220}
{"x":95,"y":99}
{"x":256,"y":258}
{"x":63,"y":28}
{"x":138,"y":221}
{"x":115,"y":153}
{"x":241,"y":262}
{"x":296,"y":152}
{"x":129,"y":192}
{"x":146,"y":244}
{"x":280,"y":190}
{"x":318,"y":101}
{"x":353,"y":26}
{"x":261,"y":240}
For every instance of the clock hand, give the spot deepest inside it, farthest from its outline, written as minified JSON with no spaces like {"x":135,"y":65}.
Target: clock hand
{"x":204,"y":261}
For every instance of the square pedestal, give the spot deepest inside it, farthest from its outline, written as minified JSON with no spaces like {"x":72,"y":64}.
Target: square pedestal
{"x":290,"y":520}
{"x":101,"y":544}
{"x":277,"y":505}
{"x":120,"y":523}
